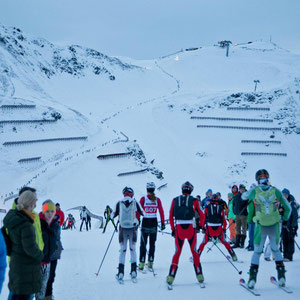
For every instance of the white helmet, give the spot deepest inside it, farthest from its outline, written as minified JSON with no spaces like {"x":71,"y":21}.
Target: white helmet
{"x":150,"y":186}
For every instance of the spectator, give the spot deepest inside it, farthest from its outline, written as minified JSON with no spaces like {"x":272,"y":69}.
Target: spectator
{"x":240,"y":211}
{"x":26,"y":256}
{"x":2,"y":260}
{"x":89,"y":221}
{"x":289,"y":228}
{"x":50,"y":230}
{"x":223,"y":203}
{"x":54,"y":259}
{"x":60,"y":214}
{"x":231,"y":218}
{"x":208,"y":195}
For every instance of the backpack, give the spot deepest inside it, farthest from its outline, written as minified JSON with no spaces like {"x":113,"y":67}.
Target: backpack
{"x":266,"y":206}
{"x":214,"y":214}
{"x":7,"y":240}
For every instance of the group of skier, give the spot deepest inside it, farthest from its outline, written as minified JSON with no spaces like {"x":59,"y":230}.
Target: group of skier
{"x":266,"y":207}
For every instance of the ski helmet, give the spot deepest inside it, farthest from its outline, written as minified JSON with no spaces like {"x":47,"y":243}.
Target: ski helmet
{"x":187,"y":187}
{"x":150,"y":187}
{"x":128,"y":190}
{"x":262,"y":173}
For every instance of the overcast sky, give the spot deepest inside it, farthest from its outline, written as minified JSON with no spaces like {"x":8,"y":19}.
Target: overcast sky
{"x":152,"y":28}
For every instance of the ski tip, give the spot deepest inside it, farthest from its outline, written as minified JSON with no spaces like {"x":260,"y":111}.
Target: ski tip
{"x":273,"y":279}
{"x":242,"y":280}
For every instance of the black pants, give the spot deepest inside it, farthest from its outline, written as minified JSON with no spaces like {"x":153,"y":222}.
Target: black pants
{"x":20,"y":297}
{"x":49,"y":289}
{"x":86,"y":224}
{"x":288,"y":243}
{"x":152,"y":234}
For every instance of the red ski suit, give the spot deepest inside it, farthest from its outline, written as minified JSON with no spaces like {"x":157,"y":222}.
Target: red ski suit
{"x":213,"y":230}
{"x":184,"y":229}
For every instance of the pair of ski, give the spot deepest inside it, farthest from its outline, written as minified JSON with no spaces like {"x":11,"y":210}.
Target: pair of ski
{"x":144,"y":271}
{"x":170,"y":286}
{"x":121,"y":280}
{"x":273,"y":281}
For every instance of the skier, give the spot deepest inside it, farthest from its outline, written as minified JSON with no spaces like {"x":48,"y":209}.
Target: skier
{"x":70,"y":221}
{"x":107,"y":215}
{"x":83,"y":217}
{"x":289,"y":230}
{"x":263,"y":209}
{"x":150,"y":205}
{"x":182,"y":211}
{"x":215,"y":223}
{"x":127,"y":210}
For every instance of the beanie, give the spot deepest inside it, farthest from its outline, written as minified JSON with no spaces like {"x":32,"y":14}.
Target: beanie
{"x":48,"y":205}
{"x":285,"y":191}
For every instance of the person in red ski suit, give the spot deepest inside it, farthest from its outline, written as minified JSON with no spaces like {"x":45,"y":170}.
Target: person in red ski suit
{"x":182,"y":211}
{"x":214,"y":225}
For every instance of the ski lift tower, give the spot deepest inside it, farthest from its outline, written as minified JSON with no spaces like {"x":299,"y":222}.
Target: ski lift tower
{"x":224,"y":44}
{"x":256,"y":82}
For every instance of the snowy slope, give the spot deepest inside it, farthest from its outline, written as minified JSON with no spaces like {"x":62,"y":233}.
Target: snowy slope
{"x":151,"y":102}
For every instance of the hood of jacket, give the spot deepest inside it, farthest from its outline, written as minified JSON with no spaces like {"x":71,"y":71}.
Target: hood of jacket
{"x":15,"y":218}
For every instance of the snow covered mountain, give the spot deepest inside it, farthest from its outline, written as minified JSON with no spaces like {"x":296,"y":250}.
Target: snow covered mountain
{"x":169,"y":114}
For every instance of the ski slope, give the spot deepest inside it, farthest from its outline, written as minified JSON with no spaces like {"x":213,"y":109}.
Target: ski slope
{"x":152,"y":104}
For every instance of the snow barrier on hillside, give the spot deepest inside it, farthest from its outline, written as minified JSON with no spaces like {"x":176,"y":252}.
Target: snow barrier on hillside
{"x":30,"y":159}
{"x":22,"y":106}
{"x":15,"y":143}
{"x":232,"y":119}
{"x":162,"y":186}
{"x":248,"y":108}
{"x":264,"y":153}
{"x":26,"y":121}
{"x":260,"y":142}
{"x":240,"y":127}
{"x":113,"y":155}
{"x":133,"y":172}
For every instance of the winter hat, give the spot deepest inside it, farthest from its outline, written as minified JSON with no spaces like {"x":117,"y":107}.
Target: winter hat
{"x":26,"y":199}
{"x":230,"y":194}
{"x":242,"y":186}
{"x":209,"y":191}
{"x":286,"y":191}
{"x":48,"y":205}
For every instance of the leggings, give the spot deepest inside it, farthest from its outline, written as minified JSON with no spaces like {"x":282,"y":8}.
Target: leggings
{"x":127,"y":235}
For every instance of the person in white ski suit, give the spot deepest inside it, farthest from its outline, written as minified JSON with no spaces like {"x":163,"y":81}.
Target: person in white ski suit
{"x":127,"y":210}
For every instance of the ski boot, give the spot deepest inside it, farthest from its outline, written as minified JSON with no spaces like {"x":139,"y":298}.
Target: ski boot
{"x":150,"y":265}
{"x":280,"y":273}
{"x":172,"y":273}
{"x":252,"y":276}
{"x":120,"y":274}
{"x":200,"y":278}
{"x":133,"y":273}
{"x":233,"y":255}
{"x":141,"y":266}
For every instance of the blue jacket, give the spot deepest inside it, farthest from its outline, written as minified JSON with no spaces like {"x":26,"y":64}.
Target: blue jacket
{"x":2,"y":260}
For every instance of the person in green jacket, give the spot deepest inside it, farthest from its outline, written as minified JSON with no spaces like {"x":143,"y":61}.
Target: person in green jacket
{"x":264,"y":200}
{"x":231,"y":218}
{"x":37,"y":222}
{"x":26,"y":257}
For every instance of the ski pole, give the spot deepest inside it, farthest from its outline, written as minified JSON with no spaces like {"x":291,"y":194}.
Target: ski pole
{"x":164,"y":232}
{"x":240,"y":272}
{"x":106,"y":251}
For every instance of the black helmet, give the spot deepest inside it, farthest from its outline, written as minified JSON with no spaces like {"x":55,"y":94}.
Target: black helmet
{"x":262,"y":173}
{"x":187,"y":187}
{"x":128,"y":190}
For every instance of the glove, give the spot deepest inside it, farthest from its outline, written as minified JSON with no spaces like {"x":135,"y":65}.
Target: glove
{"x":233,"y":221}
{"x":162,"y":227}
{"x":173,"y":233}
